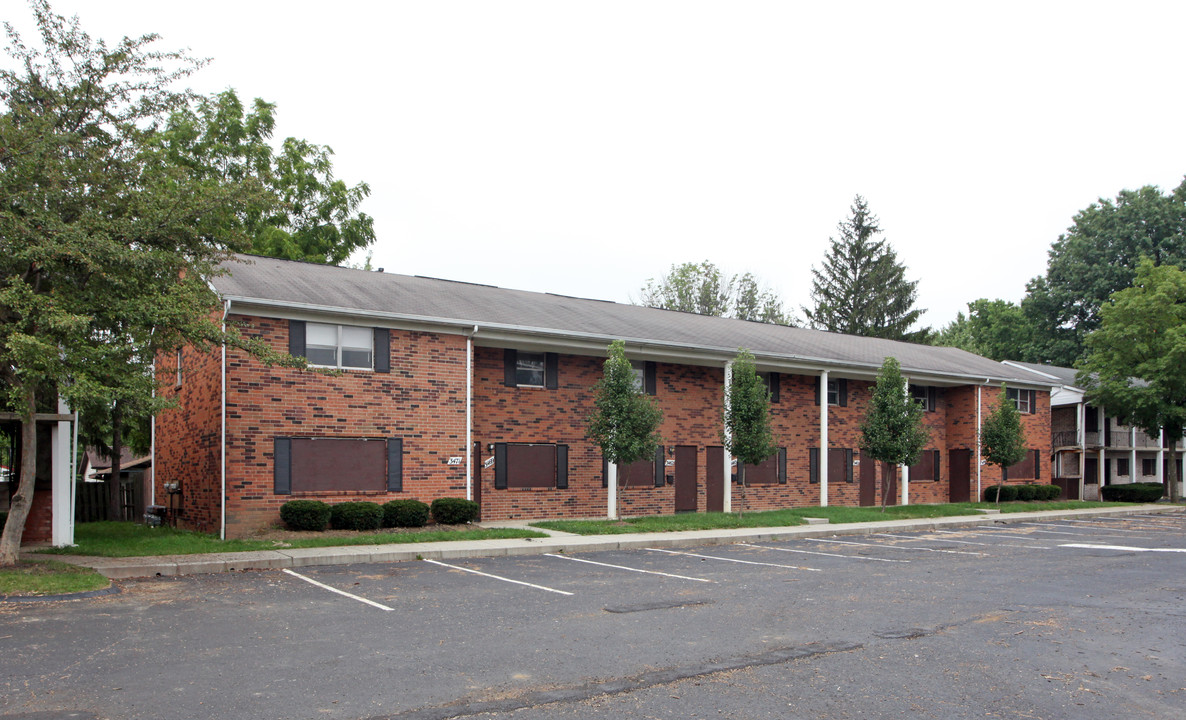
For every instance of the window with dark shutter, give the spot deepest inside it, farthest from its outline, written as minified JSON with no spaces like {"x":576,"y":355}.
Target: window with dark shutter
{"x":764,"y":473}
{"x":530,"y":465}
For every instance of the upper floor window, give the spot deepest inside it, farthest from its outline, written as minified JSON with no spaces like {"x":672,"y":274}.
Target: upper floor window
{"x":1023,"y":399}
{"x":339,"y":346}
{"x":924,"y":395}
{"x":529,"y":369}
{"x":837,"y":392}
{"x":639,"y":368}
{"x":833,"y":392}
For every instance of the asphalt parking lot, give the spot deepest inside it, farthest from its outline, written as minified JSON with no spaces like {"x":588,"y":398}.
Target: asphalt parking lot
{"x":1082,"y":618}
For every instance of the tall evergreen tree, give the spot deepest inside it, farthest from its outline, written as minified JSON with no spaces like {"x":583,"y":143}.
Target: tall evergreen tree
{"x":862,"y":288}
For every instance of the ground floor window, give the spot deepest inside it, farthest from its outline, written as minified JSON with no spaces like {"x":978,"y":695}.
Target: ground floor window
{"x":335,"y":464}
{"x":530,"y":465}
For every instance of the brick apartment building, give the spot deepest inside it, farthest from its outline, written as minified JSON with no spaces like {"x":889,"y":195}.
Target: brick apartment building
{"x":443,"y":388}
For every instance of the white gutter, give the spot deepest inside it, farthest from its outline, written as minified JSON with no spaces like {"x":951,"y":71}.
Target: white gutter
{"x":978,"y":458}
{"x":222,"y":495}
{"x":469,"y":414}
{"x":823,"y":439}
{"x":713,"y":353}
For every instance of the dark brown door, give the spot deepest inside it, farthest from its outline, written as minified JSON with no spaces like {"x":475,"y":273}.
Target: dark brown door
{"x":685,"y":478}
{"x":960,"y":486}
{"x":714,"y":479}
{"x":868,"y":482}
{"x":889,"y":476}
{"x":477,"y":461}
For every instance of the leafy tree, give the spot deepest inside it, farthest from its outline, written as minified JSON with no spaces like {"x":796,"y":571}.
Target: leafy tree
{"x":1136,"y":365}
{"x":892,"y":430}
{"x":307,"y":215}
{"x":105,"y":245}
{"x":625,"y":422}
{"x":703,"y":289}
{"x":861,"y":288}
{"x":1098,"y":256}
{"x":996,"y":329}
{"x":1002,"y":440}
{"x":748,"y":435}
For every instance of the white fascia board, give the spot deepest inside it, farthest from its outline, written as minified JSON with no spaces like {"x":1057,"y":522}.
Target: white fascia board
{"x":577,"y":343}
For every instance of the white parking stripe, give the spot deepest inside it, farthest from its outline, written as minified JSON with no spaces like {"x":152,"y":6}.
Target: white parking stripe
{"x":1097,"y":522}
{"x":623,"y":567}
{"x":311,"y":581}
{"x":810,"y":552}
{"x":735,"y":560}
{"x":1013,"y":537}
{"x":1122,"y":547}
{"x":897,"y":547}
{"x":1072,"y":527}
{"x":496,"y":577}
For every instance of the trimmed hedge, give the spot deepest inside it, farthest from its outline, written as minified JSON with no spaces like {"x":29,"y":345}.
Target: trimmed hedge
{"x":356,"y":516}
{"x":305,"y":514}
{"x":454,"y":511}
{"x":1133,"y":492}
{"x":1024,"y":493}
{"x":405,"y":513}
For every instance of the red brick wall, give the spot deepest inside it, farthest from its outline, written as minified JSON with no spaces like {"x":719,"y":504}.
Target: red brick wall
{"x":189,"y":437}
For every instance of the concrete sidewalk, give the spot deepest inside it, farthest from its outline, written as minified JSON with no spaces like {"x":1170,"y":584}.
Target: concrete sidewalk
{"x":556,"y":542}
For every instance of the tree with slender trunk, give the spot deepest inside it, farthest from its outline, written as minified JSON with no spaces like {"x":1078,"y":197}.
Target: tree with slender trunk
{"x":748,"y":435}
{"x":1002,"y":439}
{"x":892,"y":431}
{"x":625,"y":421}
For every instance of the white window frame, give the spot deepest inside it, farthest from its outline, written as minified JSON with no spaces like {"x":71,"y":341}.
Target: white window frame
{"x":1021,"y":400}
{"x":834,"y":392}
{"x":640,"y":375}
{"x":338,"y":347}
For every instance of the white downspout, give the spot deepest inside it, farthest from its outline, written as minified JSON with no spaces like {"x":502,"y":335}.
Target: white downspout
{"x":222,"y":518}
{"x":74,"y":477}
{"x":727,"y":501}
{"x":469,"y":414}
{"x":823,"y":439}
{"x":978,"y":458}
{"x":1161,"y":456}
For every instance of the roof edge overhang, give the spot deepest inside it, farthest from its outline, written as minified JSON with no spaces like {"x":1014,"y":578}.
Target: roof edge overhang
{"x":504,"y":335}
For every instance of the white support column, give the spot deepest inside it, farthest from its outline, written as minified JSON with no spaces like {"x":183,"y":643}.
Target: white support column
{"x":1103,"y":446}
{"x":1132,"y":454}
{"x":823,"y":439}
{"x":978,"y":495}
{"x":905,"y":468}
{"x":727,"y":501}
{"x":1082,"y":449}
{"x":1161,"y":456}
{"x":611,"y":482}
{"x":62,"y":523}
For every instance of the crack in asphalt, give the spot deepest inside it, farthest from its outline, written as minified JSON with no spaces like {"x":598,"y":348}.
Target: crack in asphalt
{"x":633,"y":683}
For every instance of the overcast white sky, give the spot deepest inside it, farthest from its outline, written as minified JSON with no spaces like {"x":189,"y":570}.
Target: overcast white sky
{"x":582,"y":148}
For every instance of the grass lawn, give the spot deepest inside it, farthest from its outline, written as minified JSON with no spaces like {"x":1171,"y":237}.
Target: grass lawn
{"x":125,"y":539}
{"x":794,"y":516}
{"x":48,"y":577}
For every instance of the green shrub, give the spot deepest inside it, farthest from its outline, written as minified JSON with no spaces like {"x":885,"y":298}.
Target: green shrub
{"x":405,"y":513}
{"x":1048,"y":492}
{"x":356,"y":516}
{"x":1133,"y":492}
{"x":1027,"y":493}
{"x":305,"y":514}
{"x":454,"y":511}
{"x":1008,"y":493}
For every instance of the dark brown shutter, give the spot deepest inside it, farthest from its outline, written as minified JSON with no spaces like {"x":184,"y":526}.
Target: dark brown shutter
{"x":782,"y":466}
{"x":1033,"y":401}
{"x":604,"y":472}
{"x":813,"y":465}
{"x":395,"y":465}
{"x":842,"y":386}
{"x":660,"y":466}
{"x":282,"y":465}
{"x":500,"y":465}
{"x":551,"y":371}
{"x":296,"y":338}
{"x":773,"y":387}
{"x":650,"y":378}
{"x":562,"y":467}
{"x":932,"y":392}
{"x":1038,"y":463}
{"x":816,"y":383}
{"x":509,"y":360}
{"x":848,"y":463}
{"x":937,"y":468}
{"x":382,"y":350}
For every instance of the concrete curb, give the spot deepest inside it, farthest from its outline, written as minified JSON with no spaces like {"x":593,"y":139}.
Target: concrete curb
{"x":119,"y":568}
